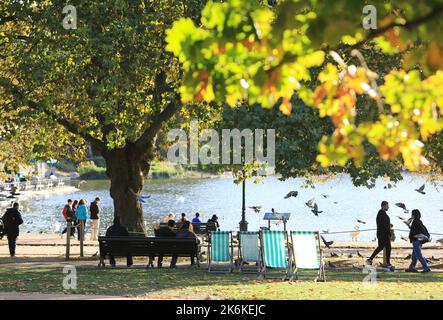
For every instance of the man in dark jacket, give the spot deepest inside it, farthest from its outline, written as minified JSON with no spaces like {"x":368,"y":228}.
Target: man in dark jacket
{"x":185,"y":232}
{"x":383,"y":235}
{"x":11,"y":220}
{"x":165,"y":232}
{"x":117,"y":230}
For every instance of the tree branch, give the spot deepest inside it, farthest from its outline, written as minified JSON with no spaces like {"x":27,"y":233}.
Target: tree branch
{"x":409,"y":25}
{"x":145,"y":141}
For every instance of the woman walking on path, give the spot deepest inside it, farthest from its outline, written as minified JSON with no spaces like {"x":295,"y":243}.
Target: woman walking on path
{"x":418,"y":235}
{"x":82,"y":215}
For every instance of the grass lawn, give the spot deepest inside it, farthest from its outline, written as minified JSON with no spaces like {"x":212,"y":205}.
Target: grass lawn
{"x":184,"y":283}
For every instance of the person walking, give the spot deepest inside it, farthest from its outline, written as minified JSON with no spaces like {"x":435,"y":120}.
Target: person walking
{"x":82,"y":216}
{"x":117,"y":230}
{"x":12,"y":219}
{"x":94,"y":210}
{"x":418,"y":235}
{"x":383,"y":235}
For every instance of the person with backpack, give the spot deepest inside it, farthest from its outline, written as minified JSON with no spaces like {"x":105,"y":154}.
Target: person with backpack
{"x":11,"y":221}
{"x":418,"y":235}
{"x":82,"y":215}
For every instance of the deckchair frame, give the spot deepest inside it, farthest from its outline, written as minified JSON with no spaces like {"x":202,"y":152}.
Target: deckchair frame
{"x":211,"y":266}
{"x":321,"y":276}
{"x":241,"y":267}
{"x":264,"y":273}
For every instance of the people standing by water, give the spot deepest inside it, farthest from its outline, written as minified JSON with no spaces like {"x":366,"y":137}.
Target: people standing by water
{"x":82,"y":216}
{"x":94,"y":210}
{"x":417,"y":236}
{"x":68,"y":213}
{"x":383,"y":235}
{"x":12,"y":219}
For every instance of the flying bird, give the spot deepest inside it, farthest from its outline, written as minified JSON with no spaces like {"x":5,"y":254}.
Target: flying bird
{"x":327,"y":243}
{"x":325,"y":195}
{"x":434,"y":259}
{"x":401,"y":218}
{"x":361,"y":221}
{"x":359,"y":254}
{"x":315,"y":210}
{"x":404,"y":238}
{"x":421,"y":189}
{"x":325,"y":231}
{"x":334,"y":255}
{"x":291,"y":194}
{"x":139,"y":197}
{"x":335,"y":202}
{"x":409,"y":256}
{"x":256,"y":208}
{"x":403,"y":206}
{"x":310,"y":203}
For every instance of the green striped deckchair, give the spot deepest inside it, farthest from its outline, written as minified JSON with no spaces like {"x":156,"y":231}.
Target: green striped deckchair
{"x":249,"y":249}
{"x":306,"y":253}
{"x":220,"y":249}
{"x":274,"y":251}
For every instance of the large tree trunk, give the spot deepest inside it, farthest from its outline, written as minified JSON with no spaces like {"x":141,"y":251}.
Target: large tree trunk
{"x":126,"y":170}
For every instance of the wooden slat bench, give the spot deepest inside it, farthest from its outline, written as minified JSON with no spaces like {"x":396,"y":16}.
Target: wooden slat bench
{"x":147,"y":247}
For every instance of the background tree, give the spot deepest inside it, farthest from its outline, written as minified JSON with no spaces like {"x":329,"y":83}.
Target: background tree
{"x":110,"y":81}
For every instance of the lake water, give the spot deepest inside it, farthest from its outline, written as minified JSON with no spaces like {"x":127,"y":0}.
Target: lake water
{"x":222,"y":197}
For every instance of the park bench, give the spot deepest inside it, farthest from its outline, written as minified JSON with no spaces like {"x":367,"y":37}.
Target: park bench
{"x":147,"y":247}
{"x":199,"y":228}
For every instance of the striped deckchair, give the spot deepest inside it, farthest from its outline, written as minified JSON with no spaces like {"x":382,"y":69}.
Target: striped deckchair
{"x":249,"y":250}
{"x":306,"y":254}
{"x":220,"y":250}
{"x":274,"y":252}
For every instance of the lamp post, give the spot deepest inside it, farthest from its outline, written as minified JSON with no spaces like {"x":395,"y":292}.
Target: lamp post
{"x":243,"y":222}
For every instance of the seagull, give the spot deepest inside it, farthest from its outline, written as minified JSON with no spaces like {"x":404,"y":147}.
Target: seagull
{"x":335,"y":202}
{"x":334,"y":255}
{"x":256,"y":208}
{"x":359,"y":254}
{"x":315,"y":210}
{"x":291,"y":194}
{"x":325,"y":231}
{"x":401,"y":218}
{"x":403,"y":206}
{"x":350,"y":256}
{"x":95,"y":254}
{"x":361,"y":221}
{"x":404,"y":238}
{"x":139,"y":197}
{"x":309,"y":203}
{"x":327,"y":243}
{"x":434,"y":259}
{"x":409,"y":256}
{"x":421,"y":189}
{"x":331,"y":265}
{"x":325,"y":195}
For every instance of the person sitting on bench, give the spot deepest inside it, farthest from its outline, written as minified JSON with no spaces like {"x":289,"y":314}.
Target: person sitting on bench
{"x":117,"y":230}
{"x":165,"y":232}
{"x":185,"y":232}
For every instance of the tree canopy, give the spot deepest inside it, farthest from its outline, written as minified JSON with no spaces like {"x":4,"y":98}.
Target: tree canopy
{"x":246,"y":51}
